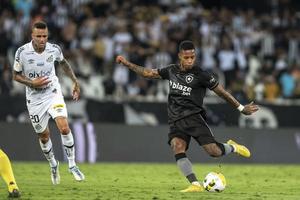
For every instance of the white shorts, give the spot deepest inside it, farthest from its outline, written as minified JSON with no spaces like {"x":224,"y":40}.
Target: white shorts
{"x":39,"y":114}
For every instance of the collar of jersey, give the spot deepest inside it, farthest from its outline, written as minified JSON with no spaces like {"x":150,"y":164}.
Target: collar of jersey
{"x":187,"y":71}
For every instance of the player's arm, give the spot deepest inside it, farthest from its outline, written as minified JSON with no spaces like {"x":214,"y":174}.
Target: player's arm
{"x":70,"y":73}
{"x":142,"y":71}
{"x":247,"y":109}
{"x":19,"y":77}
{"x":68,"y":70}
{"x":35,"y":83}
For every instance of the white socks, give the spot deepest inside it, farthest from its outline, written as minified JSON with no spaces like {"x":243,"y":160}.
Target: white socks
{"x":68,"y":142}
{"x":48,"y":152}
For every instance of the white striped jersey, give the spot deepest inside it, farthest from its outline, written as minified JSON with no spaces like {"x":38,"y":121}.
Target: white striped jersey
{"x":33,"y":65}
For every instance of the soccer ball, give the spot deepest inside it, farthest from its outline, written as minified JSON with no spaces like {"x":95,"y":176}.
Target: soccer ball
{"x":214,"y":182}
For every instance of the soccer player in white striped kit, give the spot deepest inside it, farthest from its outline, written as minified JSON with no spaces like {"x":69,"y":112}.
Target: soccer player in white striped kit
{"x":34,"y":67}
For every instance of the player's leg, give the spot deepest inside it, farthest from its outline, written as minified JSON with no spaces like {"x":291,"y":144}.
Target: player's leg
{"x":59,"y":113}
{"x":204,"y":136}
{"x":47,"y":148}
{"x":39,"y":119}
{"x":68,"y":142}
{"x":67,"y":139}
{"x":179,"y":147}
{"x":219,"y":149}
{"x":7,"y":174}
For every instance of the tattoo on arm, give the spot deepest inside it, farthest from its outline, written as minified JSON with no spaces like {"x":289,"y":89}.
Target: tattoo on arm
{"x":142,"y":71}
{"x":19,"y":77}
{"x":219,"y":90}
{"x":68,"y":69}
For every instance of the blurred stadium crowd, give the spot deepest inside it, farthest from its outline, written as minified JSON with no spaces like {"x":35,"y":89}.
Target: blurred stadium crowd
{"x":255,"y":54}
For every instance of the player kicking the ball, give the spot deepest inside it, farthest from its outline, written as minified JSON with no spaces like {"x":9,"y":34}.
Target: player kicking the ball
{"x":187,"y":87}
{"x":34,"y":67}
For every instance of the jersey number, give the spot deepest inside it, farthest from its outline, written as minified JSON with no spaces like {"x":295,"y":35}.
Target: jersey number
{"x":35,"y":118}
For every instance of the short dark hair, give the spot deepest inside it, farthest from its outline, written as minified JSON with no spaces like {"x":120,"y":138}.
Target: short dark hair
{"x":186,"y":45}
{"x":39,"y":25}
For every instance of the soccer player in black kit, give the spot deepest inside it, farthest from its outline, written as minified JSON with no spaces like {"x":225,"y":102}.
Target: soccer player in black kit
{"x":188,"y":83}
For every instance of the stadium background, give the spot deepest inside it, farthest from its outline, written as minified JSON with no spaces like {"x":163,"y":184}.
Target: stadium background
{"x":253,"y":47}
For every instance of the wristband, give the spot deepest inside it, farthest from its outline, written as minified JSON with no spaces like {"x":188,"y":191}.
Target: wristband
{"x":241,"y":107}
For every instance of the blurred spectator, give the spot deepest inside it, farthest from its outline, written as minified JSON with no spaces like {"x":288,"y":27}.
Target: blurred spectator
{"x":6,"y":79}
{"x":24,"y":7}
{"x":287,"y":83}
{"x":226,"y":58}
{"x":271,"y":89}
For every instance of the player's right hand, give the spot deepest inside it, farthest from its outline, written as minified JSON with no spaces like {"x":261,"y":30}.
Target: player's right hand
{"x":40,"y":82}
{"x":120,"y":59}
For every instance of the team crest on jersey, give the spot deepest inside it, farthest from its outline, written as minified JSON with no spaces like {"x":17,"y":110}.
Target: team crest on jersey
{"x":50,"y":59}
{"x":189,"y":78}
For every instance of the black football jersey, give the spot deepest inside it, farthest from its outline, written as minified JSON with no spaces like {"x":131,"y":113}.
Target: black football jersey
{"x":186,"y":90}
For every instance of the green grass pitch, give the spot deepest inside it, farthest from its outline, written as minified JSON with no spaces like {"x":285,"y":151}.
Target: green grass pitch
{"x":138,"y":181}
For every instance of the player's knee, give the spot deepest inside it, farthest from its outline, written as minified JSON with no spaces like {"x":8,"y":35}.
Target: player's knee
{"x":178,"y":146}
{"x":64,"y":130}
{"x":62,"y":125}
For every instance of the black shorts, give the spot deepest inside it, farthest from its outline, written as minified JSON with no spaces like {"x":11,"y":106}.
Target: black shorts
{"x":192,"y":126}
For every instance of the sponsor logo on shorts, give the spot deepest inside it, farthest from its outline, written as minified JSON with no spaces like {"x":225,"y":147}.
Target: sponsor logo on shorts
{"x":38,"y":127}
{"x":58,"y":106}
{"x":59,"y":110}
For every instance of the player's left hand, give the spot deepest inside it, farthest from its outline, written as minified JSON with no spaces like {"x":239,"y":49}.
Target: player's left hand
{"x":250,"y":108}
{"x":76,"y":91}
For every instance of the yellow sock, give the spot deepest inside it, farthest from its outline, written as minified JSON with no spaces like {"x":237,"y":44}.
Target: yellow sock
{"x":6,"y":172}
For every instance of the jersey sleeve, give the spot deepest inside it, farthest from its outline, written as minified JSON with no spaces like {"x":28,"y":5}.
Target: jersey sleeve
{"x":59,"y":55}
{"x":209,"y":80}
{"x":18,"y":66}
{"x":164,"y":72}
